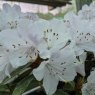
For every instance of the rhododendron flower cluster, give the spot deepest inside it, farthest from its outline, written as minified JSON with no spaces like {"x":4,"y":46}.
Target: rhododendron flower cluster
{"x":61,"y":44}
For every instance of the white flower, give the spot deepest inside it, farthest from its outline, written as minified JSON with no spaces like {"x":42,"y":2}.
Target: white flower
{"x":15,"y":46}
{"x":82,"y":38}
{"x":14,"y":17}
{"x":20,"y":51}
{"x":89,"y":87}
{"x":48,"y":35}
{"x":9,"y":16}
{"x":59,"y":67}
{"x":87,"y":12}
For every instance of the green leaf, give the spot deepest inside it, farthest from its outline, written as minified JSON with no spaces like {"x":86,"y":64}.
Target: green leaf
{"x":69,"y":86}
{"x":47,"y":16}
{"x":15,"y":74}
{"x":60,"y":92}
{"x":22,"y":86}
{"x":4,"y":88}
{"x":34,"y":83}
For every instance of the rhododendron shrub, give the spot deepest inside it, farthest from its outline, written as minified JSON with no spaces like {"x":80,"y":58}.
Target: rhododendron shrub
{"x":55,"y":56}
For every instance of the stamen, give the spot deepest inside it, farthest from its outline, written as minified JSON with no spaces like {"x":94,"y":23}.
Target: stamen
{"x":20,"y":57}
{"x":68,"y":42}
{"x":14,"y":46}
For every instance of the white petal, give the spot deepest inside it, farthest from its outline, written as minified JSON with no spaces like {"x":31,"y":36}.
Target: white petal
{"x":62,"y":63}
{"x":8,"y":70}
{"x":88,"y":89}
{"x":50,"y":84}
{"x":84,"y":91}
{"x":6,"y":7}
{"x":89,"y":46}
{"x":3,"y":58}
{"x":2,"y":76}
{"x":16,"y":8}
{"x":82,"y":57}
{"x":22,"y":56}
{"x":37,"y":30}
{"x":80,"y":68}
{"x":11,"y":40}
{"x":91,"y":78}
{"x":39,"y":73}
{"x":78,"y":51}
{"x":43,"y":51}
{"x":69,"y":74}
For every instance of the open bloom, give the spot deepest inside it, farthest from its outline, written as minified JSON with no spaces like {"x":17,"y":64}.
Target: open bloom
{"x":59,"y":67}
{"x":20,"y":51}
{"x":14,"y":52}
{"x":9,"y":20}
{"x":82,"y":38}
{"x":15,"y":48}
{"x":87,"y":12}
{"x":14,"y":15}
{"x":48,"y":35}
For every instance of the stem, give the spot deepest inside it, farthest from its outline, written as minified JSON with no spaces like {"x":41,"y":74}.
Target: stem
{"x":37,"y":62}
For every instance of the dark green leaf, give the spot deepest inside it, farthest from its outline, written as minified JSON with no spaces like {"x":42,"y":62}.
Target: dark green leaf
{"x":15,"y":74}
{"x":4,"y":88}
{"x":69,"y":86}
{"x":22,"y":86}
{"x":34,"y":83}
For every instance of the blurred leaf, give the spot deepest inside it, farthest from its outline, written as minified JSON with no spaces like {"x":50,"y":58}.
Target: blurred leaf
{"x":34,"y":86}
{"x":4,"y":93}
{"x":69,"y":86}
{"x":15,"y":74}
{"x":4,"y":88}
{"x":47,"y":16}
{"x":60,"y":92}
{"x":22,"y":86}
{"x":34,"y":83}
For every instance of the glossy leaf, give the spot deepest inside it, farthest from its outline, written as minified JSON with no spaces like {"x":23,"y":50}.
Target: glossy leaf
{"x":15,"y":74}
{"x":22,"y":86}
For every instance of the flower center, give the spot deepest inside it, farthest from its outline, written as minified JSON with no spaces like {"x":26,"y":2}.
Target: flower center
{"x":12,"y":24}
{"x":50,"y":38}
